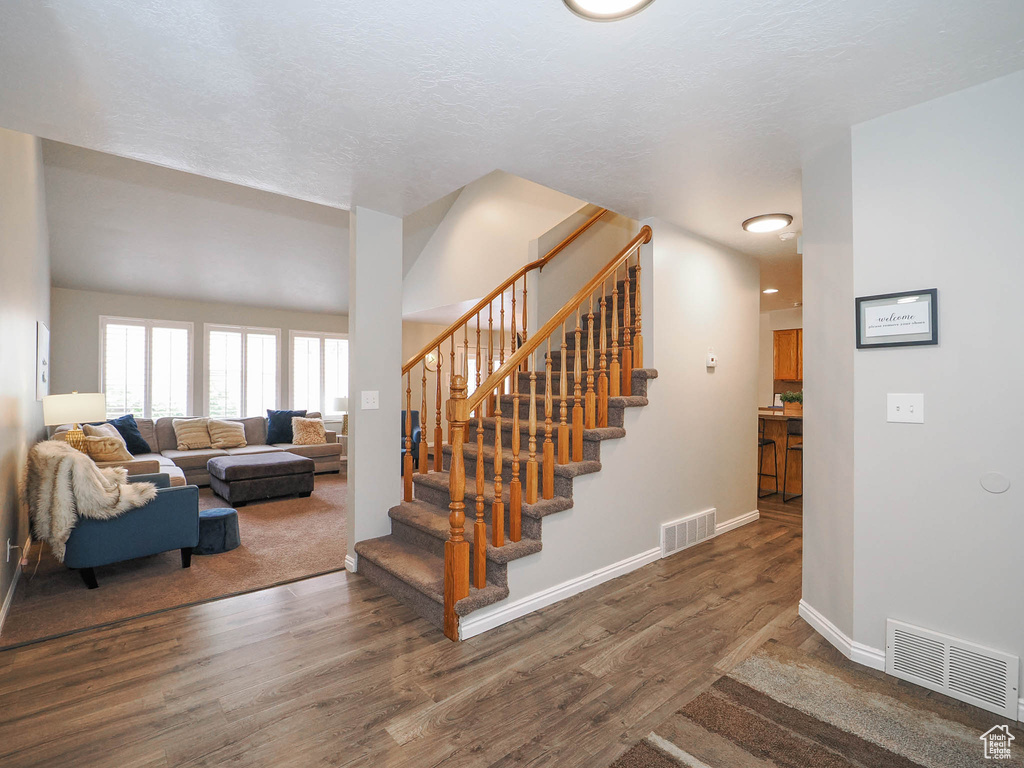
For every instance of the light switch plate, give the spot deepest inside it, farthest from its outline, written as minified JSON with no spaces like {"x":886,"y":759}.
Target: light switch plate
{"x":371,"y":400}
{"x":904,"y":408}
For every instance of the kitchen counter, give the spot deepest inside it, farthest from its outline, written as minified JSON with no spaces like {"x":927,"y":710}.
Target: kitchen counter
{"x":775,"y":429}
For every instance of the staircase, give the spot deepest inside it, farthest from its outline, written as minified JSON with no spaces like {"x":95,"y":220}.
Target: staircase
{"x":534,"y":423}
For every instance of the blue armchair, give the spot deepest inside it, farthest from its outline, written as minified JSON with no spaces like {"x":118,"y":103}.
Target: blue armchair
{"x":415,"y":439}
{"x":170,"y":521}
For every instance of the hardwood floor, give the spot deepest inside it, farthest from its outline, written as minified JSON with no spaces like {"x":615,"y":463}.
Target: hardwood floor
{"x":334,"y":672}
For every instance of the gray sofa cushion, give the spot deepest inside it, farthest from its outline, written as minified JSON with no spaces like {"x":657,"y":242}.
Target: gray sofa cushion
{"x":229,"y":468}
{"x":312,"y":451}
{"x":192,"y":459}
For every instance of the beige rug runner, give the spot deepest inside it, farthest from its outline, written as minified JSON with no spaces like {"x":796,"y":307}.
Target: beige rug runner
{"x":282,"y":540}
{"x":783,"y":707}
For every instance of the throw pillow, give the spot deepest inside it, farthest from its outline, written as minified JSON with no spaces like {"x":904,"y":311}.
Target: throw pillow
{"x":106,"y":448}
{"x":279,"y":426}
{"x":226,"y":434}
{"x":103,"y":430}
{"x":308,"y":431}
{"x":129,"y":430}
{"x":191,"y":434}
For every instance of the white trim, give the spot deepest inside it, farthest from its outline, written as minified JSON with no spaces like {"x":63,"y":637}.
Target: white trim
{"x":851,"y":649}
{"x":1020,"y":710}
{"x":351,"y":563}
{"x":736,"y":522}
{"x":244,"y":330}
{"x":475,"y":625}
{"x":9,"y":597}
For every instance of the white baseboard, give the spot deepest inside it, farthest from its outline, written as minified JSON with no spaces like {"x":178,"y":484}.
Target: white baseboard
{"x":851,"y":649}
{"x":351,"y":561}
{"x":736,"y":522}
{"x":475,"y":625}
{"x":1020,"y":710}
{"x":9,"y":597}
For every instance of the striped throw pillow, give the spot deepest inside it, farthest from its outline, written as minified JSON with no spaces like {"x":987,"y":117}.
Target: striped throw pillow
{"x":191,"y":434}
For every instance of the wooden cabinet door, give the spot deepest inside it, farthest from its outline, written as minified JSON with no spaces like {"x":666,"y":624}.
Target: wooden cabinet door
{"x":786,"y":355}
{"x":800,"y":354}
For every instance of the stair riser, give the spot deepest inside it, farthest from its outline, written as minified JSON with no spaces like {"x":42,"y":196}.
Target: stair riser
{"x":563,"y":485}
{"x":616,"y":416}
{"x":531,"y":526}
{"x":497,"y":573}
{"x":639,"y":388}
{"x":410,"y":596}
{"x":591,"y":448}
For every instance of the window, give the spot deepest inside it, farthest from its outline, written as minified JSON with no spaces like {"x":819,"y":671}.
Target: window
{"x":146,"y":367}
{"x":319,"y":371}
{"x":242,"y":370}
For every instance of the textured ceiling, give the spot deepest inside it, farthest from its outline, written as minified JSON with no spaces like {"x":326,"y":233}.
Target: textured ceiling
{"x":694,"y":111}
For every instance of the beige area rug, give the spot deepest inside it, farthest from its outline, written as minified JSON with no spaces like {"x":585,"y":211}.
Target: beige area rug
{"x":282,"y":540}
{"x":783,"y":708}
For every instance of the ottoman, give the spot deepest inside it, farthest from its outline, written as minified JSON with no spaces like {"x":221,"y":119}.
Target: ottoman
{"x":252,"y":477}
{"x":218,"y":531}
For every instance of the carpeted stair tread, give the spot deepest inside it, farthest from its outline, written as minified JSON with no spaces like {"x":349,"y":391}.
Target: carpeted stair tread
{"x":543,"y":507}
{"x":631,"y":401}
{"x":589,"y":435}
{"x":434,"y":521}
{"x":424,"y":572}
{"x":572,"y":469}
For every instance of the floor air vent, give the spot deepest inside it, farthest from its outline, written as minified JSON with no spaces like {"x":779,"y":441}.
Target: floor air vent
{"x":968,"y":672}
{"x":680,"y":534}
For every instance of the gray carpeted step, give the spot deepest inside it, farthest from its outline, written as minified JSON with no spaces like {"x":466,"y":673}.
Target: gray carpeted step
{"x":416,"y":577}
{"x":564,"y":473}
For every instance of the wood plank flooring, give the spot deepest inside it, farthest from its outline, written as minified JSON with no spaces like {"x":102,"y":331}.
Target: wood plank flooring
{"x":334,"y":672}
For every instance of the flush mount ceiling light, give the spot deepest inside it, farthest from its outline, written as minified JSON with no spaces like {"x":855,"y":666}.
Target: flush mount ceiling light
{"x":769,"y":222}
{"x":770,"y":290}
{"x":606,"y":10}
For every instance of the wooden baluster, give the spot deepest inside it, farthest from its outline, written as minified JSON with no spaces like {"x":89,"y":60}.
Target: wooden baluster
{"x":424,"y":461}
{"x":602,"y":379}
{"x":479,"y":527}
{"x":638,"y":339}
{"x":456,"y":549}
{"x":451,"y":377}
{"x":614,"y":372}
{"x":514,"y":338}
{"x":515,"y":489}
{"x":590,"y":400}
{"x":407,"y":459}
{"x":531,"y":462}
{"x":465,"y":365}
{"x":438,"y":432}
{"x":490,"y":354}
{"x":577,"y":396}
{"x":479,"y":359}
{"x":548,"y":489}
{"x":501,"y":349}
{"x":627,"y":347}
{"x":524,"y":311}
{"x":498,"y":505}
{"x":563,"y":426}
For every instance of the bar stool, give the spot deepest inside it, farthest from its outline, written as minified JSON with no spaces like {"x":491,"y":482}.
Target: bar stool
{"x":794,"y":428}
{"x":762,"y":443}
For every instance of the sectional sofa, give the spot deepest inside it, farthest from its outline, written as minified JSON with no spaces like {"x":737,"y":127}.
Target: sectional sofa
{"x":189,"y":467}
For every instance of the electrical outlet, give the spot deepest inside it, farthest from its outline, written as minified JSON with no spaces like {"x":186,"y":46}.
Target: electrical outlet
{"x":371,"y":400}
{"x":905,"y":408}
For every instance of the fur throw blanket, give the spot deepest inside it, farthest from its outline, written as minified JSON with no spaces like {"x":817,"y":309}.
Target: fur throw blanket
{"x":62,"y":483}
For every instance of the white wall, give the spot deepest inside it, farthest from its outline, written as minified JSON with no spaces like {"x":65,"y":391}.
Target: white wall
{"x":482,"y":240}
{"x":828,"y":503}
{"x":24,"y":299}
{"x":75,"y":334}
{"x":776,"y":320}
{"x":694,"y":446}
{"x":938,"y":191}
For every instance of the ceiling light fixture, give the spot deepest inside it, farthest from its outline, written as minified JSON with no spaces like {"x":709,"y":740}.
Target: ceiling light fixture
{"x":606,"y":10}
{"x":770,"y":290}
{"x":769,"y":222}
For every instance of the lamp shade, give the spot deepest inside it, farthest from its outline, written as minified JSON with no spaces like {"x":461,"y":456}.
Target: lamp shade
{"x":76,"y":408}
{"x":341,"y":405}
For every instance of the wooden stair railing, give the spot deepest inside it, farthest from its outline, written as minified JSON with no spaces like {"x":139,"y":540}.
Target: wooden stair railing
{"x":418,"y":363}
{"x":590,"y":409}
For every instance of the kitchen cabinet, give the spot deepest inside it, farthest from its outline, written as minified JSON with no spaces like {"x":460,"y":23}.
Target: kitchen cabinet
{"x":789,"y":355}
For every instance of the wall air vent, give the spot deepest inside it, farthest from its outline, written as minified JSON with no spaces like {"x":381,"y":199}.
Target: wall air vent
{"x":683,"y":533}
{"x":980,"y":676}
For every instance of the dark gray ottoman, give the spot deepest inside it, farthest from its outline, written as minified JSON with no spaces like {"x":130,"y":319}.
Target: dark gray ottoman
{"x":218,"y":531}
{"x":239,"y":479}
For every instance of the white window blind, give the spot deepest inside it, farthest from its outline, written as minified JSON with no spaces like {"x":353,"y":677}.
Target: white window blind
{"x":146,"y":367}
{"x":319,"y":371}
{"x":242,"y":370}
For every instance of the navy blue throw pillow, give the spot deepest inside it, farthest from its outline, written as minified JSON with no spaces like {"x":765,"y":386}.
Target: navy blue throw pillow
{"x":129,"y":430}
{"x":279,"y":426}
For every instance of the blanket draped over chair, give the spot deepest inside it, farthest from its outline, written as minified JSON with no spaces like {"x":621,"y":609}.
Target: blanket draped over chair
{"x":62,"y":483}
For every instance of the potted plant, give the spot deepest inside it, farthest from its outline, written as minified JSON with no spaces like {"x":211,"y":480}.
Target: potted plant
{"x":792,"y":403}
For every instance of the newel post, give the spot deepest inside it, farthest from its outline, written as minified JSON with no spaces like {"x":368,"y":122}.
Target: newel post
{"x":456,"y":549}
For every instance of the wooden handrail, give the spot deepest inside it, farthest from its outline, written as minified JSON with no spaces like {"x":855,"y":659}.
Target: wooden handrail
{"x":486,"y":300}
{"x":513,"y":362}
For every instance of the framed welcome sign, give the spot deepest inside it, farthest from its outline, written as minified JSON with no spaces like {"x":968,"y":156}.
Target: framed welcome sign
{"x":905,"y":319}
